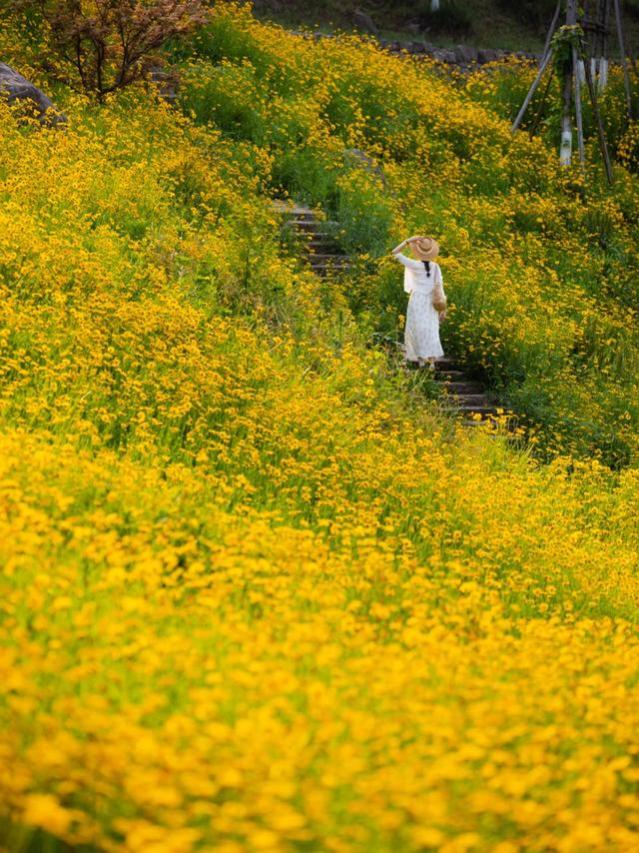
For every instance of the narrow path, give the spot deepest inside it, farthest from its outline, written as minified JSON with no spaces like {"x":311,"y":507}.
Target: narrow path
{"x":462,"y":394}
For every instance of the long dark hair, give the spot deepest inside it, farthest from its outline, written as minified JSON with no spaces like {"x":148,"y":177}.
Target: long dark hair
{"x":427,"y":265}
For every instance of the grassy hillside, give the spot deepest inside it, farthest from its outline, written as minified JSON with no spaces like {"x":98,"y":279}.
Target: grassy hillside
{"x":541,"y":266}
{"x":255,"y":593}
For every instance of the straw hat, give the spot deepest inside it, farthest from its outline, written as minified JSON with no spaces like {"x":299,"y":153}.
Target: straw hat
{"x":425,"y":248}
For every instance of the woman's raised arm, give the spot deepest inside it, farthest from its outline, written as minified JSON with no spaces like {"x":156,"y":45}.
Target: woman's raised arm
{"x":402,"y":244}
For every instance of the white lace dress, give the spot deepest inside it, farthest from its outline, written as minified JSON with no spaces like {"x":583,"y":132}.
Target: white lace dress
{"x":421,"y":335}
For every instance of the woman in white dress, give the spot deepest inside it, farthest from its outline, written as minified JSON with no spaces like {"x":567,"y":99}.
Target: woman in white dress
{"x":427,"y":300}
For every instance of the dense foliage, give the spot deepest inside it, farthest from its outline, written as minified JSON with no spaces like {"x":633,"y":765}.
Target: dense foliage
{"x":255,"y":593}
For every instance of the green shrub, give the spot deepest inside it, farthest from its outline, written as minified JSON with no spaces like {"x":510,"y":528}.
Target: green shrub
{"x":452,"y":17}
{"x":537,"y":13}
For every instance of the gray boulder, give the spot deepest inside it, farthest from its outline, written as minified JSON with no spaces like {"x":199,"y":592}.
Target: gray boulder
{"x":363,"y":21}
{"x":443,"y":55}
{"x":485,"y":55}
{"x":14,"y":87}
{"x":465,"y":54}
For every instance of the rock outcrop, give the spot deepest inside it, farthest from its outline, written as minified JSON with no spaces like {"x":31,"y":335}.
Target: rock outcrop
{"x":14,"y":87}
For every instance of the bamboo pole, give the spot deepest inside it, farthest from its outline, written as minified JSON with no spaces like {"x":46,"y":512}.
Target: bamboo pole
{"x":531,"y":91}
{"x":600,"y":130}
{"x":580,"y":125}
{"x":551,"y":30}
{"x":565,"y":149}
{"x":543,"y":64}
{"x":571,"y":13}
{"x":532,"y":130}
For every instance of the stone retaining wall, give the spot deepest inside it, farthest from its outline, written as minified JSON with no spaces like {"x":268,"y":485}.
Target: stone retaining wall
{"x":463,"y":56}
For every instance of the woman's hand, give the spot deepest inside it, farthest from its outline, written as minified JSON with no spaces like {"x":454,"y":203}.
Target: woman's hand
{"x":405,"y":243}
{"x":442,"y":316}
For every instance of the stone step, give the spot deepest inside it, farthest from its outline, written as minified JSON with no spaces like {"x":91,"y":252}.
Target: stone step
{"x":312,"y":224}
{"x":316,"y":251}
{"x":323,"y":243}
{"x":328,"y":257}
{"x":451,"y":375}
{"x":324,"y":268}
{"x":446,"y":363}
{"x":305,"y":216}
{"x":469,"y":400}
{"x":295,"y":211}
{"x":457,"y":387}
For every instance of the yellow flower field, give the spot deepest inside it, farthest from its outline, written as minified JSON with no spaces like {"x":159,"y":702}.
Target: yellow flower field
{"x":257,"y":593}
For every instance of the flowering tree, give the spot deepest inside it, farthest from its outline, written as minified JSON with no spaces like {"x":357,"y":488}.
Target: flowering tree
{"x":108,"y":44}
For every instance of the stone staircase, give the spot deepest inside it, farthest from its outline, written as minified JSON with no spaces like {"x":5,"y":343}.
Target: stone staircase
{"x":316,"y":237}
{"x":464,"y":395}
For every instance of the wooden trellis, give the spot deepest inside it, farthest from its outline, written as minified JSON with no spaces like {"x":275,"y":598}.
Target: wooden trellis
{"x":579,"y":48}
